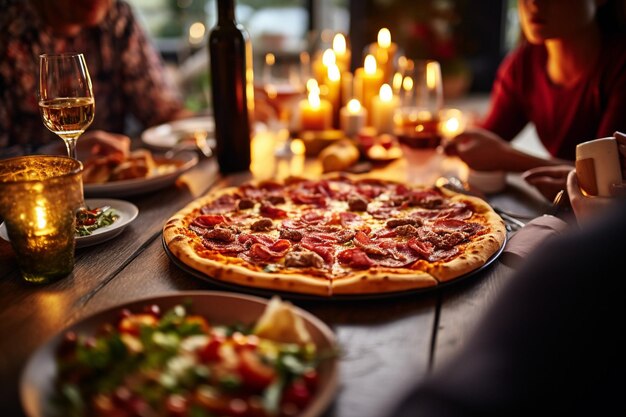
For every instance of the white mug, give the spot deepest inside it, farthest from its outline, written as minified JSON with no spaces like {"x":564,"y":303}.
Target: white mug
{"x":598,"y":166}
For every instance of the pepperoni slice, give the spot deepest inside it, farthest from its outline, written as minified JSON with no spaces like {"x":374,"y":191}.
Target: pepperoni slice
{"x":221,"y":247}
{"x":349,"y":219}
{"x":209,"y":220}
{"x":272,"y":212}
{"x":355,"y":258}
{"x":449,"y":225}
{"x":443,"y":254}
{"x":262,"y":253}
{"x":223,"y":204}
{"x":422,"y":248}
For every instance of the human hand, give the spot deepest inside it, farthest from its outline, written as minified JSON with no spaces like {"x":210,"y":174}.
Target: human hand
{"x":98,"y":143}
{"x":548,"y":180}
{"x":585,"y":208}
{"x":480,"y":149}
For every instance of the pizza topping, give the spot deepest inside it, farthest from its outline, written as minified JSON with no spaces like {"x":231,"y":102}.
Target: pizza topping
{"x":209,"y":220}
{"x":393,"y":223}
{"x":355,"y":258}
{"x":406,"y":230}
{"x":422,"y":248}
{"x":220,"y":234}
{"x":263,"y":253}
{"x":272,"y":212}
{"x":245,"y":204}
{"x":262,"y":225}
{"x":304,"y":259}
{"x":276,"y":199}
{"x":222,"y":204}
{"x":362,"y":241}
{"x":220,"y":247}
{"x":443,"y":254}
{"x":357,"y":203}
{"x":291,"y":234}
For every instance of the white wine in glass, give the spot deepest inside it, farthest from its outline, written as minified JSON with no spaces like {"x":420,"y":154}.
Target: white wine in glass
{"x":65,"y":96}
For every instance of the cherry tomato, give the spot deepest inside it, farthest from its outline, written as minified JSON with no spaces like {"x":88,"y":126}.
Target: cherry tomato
{"x":255,"y":374}
{"x":211,"y":352}
{"x":297,"y":393}
{"x":133,"y":323}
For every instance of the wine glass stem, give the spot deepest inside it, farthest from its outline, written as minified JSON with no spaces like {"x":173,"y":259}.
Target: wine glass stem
{"x":70,"y":144}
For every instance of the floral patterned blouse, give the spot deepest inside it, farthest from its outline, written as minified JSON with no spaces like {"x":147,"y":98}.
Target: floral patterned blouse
{"x":126,"y":71}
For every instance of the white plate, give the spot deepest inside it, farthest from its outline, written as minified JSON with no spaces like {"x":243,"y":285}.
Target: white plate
{"x":167,"y":135}
{"x":124,"y":188}
{"x":37,"y":378}
{"x":127,"y":212}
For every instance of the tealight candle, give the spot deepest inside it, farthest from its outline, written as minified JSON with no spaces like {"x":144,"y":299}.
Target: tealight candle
{"x":352,"y":118}
{"x":315,"y":113}
{"x":383,"y":108}
{"x":367,"y":81}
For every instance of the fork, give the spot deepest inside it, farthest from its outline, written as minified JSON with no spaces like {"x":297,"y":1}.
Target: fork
{"x":200,"y":142}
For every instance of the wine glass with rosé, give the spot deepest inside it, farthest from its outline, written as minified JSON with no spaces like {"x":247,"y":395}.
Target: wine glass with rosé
{"x":66,"y":97}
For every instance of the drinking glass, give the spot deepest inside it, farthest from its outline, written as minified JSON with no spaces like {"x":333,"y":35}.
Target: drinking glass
{"x":39,"y":197}
{"x":416,"y":121}
{"x":65,"y":96}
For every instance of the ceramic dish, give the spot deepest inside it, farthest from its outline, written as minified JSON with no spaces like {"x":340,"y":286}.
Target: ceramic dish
{"x":218,"y":307}
{"x":127,"y":212}
{"x":166,"y":136}
{"x":184,"y":162}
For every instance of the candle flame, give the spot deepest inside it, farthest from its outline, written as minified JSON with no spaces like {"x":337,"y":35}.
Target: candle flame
{"x":369,"y":64}
{"x":397,"y":81}
{"x":312,"y":86}
{"x":339,"y":44}
{"x":333,"y":73}
{"x":328,"y":58}
{"x":41,"y":217}
{"x":384,"y":38}
{"x":314,"y":99}
{"x":385,"y":93}
{"x":354,"y":106}
{"x":452,"y":125}
{"x":270,"y":59}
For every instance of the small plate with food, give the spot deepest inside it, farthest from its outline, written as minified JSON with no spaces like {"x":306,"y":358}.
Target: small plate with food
{"x":99,"y":221}
{"x":175,"y":134}
{"x":195,"y":353}
{"x":140,"y":173}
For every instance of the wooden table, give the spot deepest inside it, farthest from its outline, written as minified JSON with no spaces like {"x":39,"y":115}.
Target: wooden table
{"x":384,"y":342}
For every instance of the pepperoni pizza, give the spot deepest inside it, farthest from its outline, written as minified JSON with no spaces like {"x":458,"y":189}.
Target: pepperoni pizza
{"x":337,"y":235}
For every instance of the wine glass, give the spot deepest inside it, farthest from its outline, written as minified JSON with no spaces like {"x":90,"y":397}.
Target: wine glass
{"x":65,"y":96}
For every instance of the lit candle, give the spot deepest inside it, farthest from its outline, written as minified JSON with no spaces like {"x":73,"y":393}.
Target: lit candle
{"x":321,"y":64}
{"x":367,"y":81}
{"x":315,"y":113}
{"x":333,"y":91}
{"x":342,"y":53}
{"x":383,"y":108}
{"x":353,"y":117}
{"x":384,"y":51}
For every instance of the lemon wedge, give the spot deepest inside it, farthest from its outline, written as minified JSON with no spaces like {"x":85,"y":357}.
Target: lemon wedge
{"x":279,"y":322}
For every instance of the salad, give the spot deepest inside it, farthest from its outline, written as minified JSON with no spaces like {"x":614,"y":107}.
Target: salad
{"x":88,"y":219}
{"x":176,"y":363}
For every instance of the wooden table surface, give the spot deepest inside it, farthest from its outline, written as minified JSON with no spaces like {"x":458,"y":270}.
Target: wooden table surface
{"x":384,"y":342}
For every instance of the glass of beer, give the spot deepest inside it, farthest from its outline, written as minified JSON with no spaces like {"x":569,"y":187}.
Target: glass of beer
{"x":416,"y":120}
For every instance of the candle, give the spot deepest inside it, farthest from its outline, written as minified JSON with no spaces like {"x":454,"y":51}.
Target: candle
{"x":342,"y":53}
{"x":321,"y":64}
{"x":384,"y":51}
{"x":383,"y":108}
{"x":367,"y":82}
{"x":352,"y":117}
{"x":315,"y":113}
{"x":333,"y":91}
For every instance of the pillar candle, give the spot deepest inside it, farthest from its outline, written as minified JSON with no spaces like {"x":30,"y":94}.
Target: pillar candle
{"x":315,"y":113}
{"x":353,"y":117}
{"x":384,"y":51}
{"x":333,"y":91}
{"x":368,"y":80}
{"x":383,"y":108}
{"x":342,"y":52}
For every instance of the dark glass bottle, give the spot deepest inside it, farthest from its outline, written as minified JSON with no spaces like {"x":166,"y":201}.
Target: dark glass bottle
{"x":230,"y":55}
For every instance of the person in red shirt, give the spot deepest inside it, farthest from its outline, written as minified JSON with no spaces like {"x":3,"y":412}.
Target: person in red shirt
{"x":568,"y":79}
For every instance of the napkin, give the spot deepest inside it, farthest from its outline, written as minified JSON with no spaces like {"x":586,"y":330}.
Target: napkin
{"x":529,"y":237}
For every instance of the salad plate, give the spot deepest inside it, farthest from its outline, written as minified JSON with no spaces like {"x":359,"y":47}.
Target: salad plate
{"x":126,"y":211}
{"x":227,"y":308}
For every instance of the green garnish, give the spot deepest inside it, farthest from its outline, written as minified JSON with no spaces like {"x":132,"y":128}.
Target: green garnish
{"x":88,"y":220}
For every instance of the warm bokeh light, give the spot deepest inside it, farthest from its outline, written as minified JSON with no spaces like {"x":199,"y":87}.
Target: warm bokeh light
{"x":407,"y":83}
{"x":385,"y":93}
{"x":333,"y":73}
{"x":297,"y":147}
{"x":397,"y":81}
{"x":312,"y":86}
{"x":196,"y":32}
{"x":314,"y":99}
{"x":432,"y":75}
{"x":354,"y":106}
{"x":329,"y":58}
{"x":384,"y":38}
{"x":369,"y":65}
{"x":339,"y":44}
{"x":270,"y":59}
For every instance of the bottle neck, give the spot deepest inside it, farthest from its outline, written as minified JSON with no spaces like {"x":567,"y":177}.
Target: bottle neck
{"x":226,"y":10}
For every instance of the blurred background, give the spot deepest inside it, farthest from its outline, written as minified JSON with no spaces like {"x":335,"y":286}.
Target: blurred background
{"x":469,"y":38}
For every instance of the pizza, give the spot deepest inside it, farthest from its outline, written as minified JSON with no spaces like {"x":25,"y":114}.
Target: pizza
{"x":336,"y":235}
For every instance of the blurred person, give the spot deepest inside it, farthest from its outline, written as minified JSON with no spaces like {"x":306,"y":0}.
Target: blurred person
{"x":568,"y":78}
{"x":127,"y":73}
{"x":552,"y":342}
